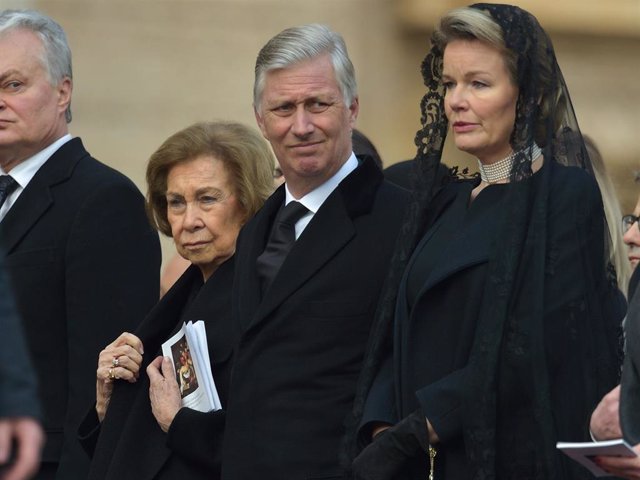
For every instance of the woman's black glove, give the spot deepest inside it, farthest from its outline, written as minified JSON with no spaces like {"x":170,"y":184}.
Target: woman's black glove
{"x":388,"y":452}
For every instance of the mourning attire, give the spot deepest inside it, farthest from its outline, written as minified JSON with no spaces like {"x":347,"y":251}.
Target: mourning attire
{"x":85,"y":266}
{"x":129,"y":443}
{"x":302,"y":340}
{"x":503,"y":317}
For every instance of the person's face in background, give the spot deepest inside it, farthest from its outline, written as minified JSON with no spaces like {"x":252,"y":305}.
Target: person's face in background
{"x":632,"y":238}
{"x":32,"y":111}
{"x":480,"y":100}
{"x":303,"y":115}
{"x":204,"y":212}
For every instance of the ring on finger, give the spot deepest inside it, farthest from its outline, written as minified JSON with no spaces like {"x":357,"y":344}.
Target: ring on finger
{"x":111,"y":375}
{"x":115,"y":362}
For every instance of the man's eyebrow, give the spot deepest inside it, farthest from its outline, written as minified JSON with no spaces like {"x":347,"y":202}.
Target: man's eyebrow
{"x":8,"y":73}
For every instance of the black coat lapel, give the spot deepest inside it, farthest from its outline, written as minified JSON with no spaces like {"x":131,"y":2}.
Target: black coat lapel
{"x":37,"y":197}
{"x":471,"y":247}
{"x":330,"y":229}
{"x":251,"y":243}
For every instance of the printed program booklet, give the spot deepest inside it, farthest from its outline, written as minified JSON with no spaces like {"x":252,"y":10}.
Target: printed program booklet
{"x":583,"y":452}
{"x":189,"y":355}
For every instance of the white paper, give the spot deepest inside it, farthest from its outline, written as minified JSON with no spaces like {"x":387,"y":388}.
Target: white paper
{"x":583,"y":452}
{"x":189,"y":354}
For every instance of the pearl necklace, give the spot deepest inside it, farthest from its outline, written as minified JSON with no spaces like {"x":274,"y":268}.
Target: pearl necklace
{"x":501,"y":169}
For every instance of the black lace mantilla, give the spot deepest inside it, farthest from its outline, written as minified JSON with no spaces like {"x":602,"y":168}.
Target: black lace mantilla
{"x":509,"y":335}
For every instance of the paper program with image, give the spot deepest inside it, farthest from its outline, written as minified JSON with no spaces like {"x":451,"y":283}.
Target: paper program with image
{"x":189,"y":355}
{"x":583,"y":452}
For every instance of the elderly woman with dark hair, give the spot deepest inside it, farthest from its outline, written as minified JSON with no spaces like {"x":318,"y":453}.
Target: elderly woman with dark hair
{"x":204,"y":183}
{"x":504,"y":319}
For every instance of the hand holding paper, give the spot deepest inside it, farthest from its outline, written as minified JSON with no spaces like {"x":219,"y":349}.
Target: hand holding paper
{"x":163,"y":392}
{"x":625,"y":467}
{"x":592,"y":454}
{"x":188,"y":353}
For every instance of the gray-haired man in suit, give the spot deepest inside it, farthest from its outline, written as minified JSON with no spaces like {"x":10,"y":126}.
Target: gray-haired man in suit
{"x":82,"y":257}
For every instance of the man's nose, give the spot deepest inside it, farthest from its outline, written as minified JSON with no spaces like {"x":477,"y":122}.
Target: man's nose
{"x":302,"y":122}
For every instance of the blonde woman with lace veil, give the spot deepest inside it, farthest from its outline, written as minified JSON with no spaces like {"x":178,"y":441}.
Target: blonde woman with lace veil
{"x":499,"y":328}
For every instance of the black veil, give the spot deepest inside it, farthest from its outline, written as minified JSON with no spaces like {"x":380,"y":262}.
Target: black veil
{"x":509,"y":340}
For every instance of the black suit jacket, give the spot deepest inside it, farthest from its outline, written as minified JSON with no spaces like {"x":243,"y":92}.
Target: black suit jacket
{"x":84,"y":263}
{"x":18,"y":395}
{"x":428,"y":367}
{"x":630,"y":389}
{"x":130,"y":444}
{"x":301,"y":346}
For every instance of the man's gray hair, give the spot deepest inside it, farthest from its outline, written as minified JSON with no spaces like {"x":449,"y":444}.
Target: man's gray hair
{"x":297,"y":44}
{"x":57,"y":54}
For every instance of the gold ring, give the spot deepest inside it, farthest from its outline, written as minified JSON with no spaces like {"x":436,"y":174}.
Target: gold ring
{"x":111,"y":375}
{"x":115,"y":362}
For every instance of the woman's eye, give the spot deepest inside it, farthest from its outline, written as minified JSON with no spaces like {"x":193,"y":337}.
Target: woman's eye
{"x":175,"y":203}
{"x":208,"y":199}
{"x":447,"y":85}
{"x":478,"y":84}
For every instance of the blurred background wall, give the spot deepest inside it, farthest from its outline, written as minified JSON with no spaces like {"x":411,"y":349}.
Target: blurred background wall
{"x":144,"y":69}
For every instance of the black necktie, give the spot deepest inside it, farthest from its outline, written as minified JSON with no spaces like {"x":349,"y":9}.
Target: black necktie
{"x":282,"y":238}
{"x":7,"y":185}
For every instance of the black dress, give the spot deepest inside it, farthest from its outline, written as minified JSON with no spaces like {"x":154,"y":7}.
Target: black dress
{"x":129,"y":444}
{"x":439,"y":300}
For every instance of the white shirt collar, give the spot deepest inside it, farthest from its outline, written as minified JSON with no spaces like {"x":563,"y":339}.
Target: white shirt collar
{"x":26,"y":170}
{"x":316,"y":197}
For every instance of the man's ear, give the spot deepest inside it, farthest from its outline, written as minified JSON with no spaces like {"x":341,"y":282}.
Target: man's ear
{"x":64,"y":89}
{"x":354,"y":109}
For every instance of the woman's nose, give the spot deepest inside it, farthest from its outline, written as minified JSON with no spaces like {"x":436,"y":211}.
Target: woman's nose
{"x":192,"y":217}
{"x":456,"y":98}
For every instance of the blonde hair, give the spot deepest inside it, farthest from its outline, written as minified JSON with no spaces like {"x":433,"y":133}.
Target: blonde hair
{"x":613,"y":214}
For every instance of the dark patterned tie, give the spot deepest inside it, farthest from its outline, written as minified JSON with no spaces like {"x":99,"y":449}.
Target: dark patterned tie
{"x":282,"y":238}
{"x":7,"y":185}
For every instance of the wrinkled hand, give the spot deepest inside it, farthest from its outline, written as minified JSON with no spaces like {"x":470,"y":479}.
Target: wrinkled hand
{"x":625,"y":467}
{"x":605,"y":419}
{"x":29,"y":439}
{"x":389,"y":451}
{"x":128,"y":351}
{"x":164,"y":392}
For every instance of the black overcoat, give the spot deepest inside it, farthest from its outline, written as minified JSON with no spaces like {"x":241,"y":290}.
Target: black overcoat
{"x":428,"y":367}
{"x":129,"y":444}
{"x":85,"y":266}
{"x":302,"y":344}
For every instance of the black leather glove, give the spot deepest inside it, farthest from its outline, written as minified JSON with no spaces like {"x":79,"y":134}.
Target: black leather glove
{"x":389,"y":451}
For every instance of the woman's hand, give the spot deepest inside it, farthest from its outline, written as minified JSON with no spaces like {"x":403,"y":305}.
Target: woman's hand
{"x":625,"y":467}
{"x":120,"y":359}
{"x":164,"y":392}
{"x":605,"y":419}
{"x":391,"y":448}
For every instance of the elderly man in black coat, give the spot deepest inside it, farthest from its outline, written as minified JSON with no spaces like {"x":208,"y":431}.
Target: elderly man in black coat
{"x":82,"y":257}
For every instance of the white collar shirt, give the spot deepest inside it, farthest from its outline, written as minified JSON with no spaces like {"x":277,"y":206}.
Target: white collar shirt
{"x":315,"y":198}
{"x":24,"y":172}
